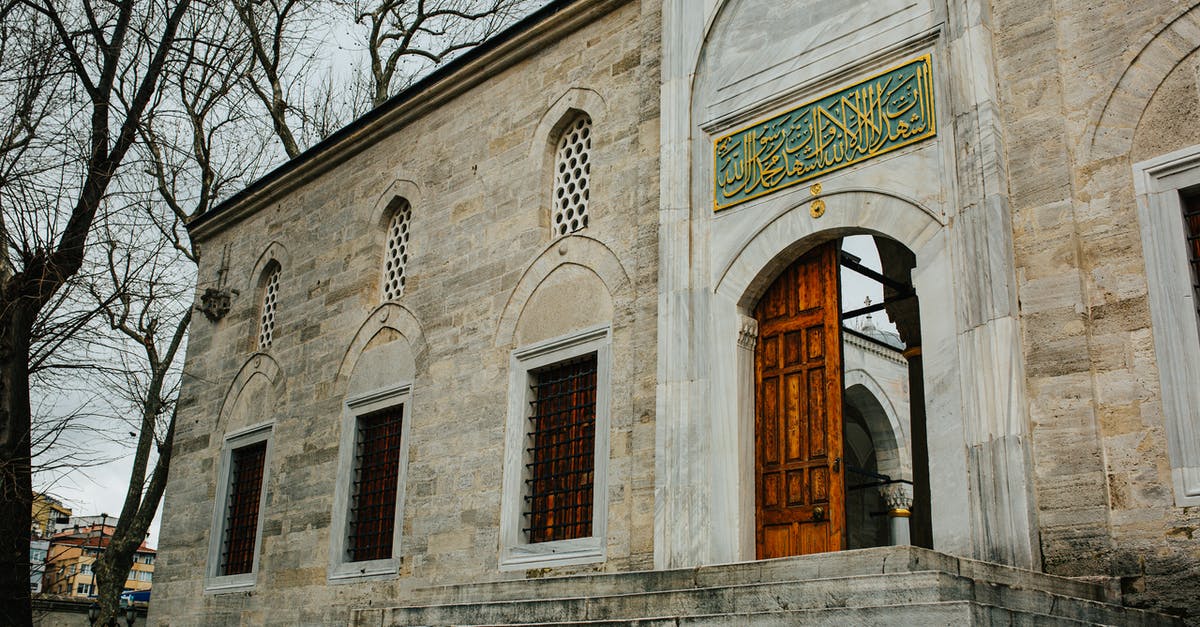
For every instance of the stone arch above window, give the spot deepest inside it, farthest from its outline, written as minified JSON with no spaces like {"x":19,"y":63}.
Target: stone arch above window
{"x":1159,"y":54}
{"x":396,"y":249}
{"x":265,"y":285}
{"x":563,"y":151}
{"x":590,"y":257}
{"x":268,"y":302}
{"x":251,"y":397}
{"x":387,"y":318}
{"x":391,"y":218}
{"x":570,"y":298}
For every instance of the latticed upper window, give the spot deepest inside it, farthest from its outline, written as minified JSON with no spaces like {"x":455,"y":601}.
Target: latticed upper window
{"x":376,"y":467}
{"x":572,"y":169}
{"x":266,"y":326}
{"x":558,"y":503}
{"x":396,"y":255}
{"x":241,"y":510}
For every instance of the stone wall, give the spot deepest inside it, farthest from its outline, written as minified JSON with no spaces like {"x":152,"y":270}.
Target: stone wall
{"x":475,"y":172}
{"x":1087,"y":90}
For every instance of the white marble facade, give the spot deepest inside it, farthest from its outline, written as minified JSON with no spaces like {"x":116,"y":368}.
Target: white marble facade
{"x":736,"y":62}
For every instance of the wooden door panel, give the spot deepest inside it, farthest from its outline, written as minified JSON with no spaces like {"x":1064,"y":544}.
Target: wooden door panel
{"x":795,"y":437}
{"x":778,"y":539}
{"x":798,"y":375}
{"x":818,"y":445}
{"x":797,"y":488}
{"x":769,"y":423}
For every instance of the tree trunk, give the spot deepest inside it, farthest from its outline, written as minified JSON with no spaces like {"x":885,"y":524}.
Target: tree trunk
{"x":16,"y":489}
{"x":112,"y":568}
{"x":115,"y":562}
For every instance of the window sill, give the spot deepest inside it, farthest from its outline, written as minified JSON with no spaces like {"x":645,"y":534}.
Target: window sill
{"x":372,"y":570}
{"x":229,"y":583}
{"x":551,"y":554}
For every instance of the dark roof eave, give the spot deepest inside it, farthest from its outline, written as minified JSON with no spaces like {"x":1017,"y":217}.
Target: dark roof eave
{"x":395,"y":102}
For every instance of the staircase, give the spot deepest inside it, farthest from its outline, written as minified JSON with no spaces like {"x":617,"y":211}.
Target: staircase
{"x":883,"y":586}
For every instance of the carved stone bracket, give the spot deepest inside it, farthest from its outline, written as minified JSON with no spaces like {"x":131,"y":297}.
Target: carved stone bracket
{"x":216,"y":302}
{"x":747,"y":332}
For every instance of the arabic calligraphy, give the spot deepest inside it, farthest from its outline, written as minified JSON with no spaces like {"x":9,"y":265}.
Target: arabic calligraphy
{"x":889,"y":111}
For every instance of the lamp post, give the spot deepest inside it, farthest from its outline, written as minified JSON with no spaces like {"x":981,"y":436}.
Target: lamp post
{"x":130,"y":615}
{"x":93,"y":613}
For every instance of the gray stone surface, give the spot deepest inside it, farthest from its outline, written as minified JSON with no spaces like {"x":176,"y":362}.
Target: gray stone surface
{"x":909,"y":585}
{"x":469,"y":157}
{"x":1049,"y":438}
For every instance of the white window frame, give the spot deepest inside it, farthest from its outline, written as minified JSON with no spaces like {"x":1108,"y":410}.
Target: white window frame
{"x":515,"y":552}
{"x":341,"y":569}
{"x":1157,"y":184}
{"x":214,"y":581}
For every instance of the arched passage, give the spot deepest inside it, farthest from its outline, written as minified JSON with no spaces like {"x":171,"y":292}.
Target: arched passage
{"x":822,"y":446}
{"x":744,"y":278}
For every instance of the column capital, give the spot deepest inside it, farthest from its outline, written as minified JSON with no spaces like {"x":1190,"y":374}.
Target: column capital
{"x":898,"y":497}
{"x":747,"y":332}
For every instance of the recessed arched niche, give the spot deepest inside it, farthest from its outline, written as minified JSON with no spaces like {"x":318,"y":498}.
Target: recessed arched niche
{"x":572,"y":297}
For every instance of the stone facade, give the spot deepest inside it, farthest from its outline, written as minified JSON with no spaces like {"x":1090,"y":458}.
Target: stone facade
{"x":1053,"y":439}
{"x":1095,"y":90}
{"x":484,"y":275}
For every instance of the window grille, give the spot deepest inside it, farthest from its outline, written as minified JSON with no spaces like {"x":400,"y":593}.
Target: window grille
{"x":396,"y":254}
{"x":266,"y":328}
{"x":1191,"y":218}
{"x":572,"y":170}
{"x":241,"y":513}
{"x":561,"y":456}
{"x":377,"y":465}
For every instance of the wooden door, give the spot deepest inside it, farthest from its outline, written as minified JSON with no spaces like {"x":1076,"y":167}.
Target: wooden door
{"x":799,"y":489}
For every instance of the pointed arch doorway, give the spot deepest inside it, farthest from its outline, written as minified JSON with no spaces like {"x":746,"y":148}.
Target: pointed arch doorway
{"x":798,"y":474}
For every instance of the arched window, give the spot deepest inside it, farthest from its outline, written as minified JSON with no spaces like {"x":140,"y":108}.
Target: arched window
{"x":270,"y":292}
{"x":572,"y":169}
{"x":395,"y":258}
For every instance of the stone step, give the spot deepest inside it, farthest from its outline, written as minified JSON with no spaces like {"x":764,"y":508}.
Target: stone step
{"x":852,"y":587}
{"x":942,"y":614}
{"x":892,"y":559}
{"x":897,"y":591}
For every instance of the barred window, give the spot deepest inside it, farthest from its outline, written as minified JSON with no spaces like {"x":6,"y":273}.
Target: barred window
{"x":1191,"y":219}
{"x":241,"y":510}
{"x":572,"y":171}
{"x":266,"y":327}
{"x":377,"y":465}
{"x":1167,"y":194}
{"x":396,"y":253}
{"x":561,"y":451}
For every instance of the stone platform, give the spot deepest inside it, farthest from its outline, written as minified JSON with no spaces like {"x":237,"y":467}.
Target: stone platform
{"x":883,"y":586}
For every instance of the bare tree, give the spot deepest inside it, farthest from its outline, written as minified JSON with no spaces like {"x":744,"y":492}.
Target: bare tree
{"x":401,"y":40}
{"x":86,"y":74}
{"x":120,"y":121}
{"x":404,"y":38}
{"x":280,"y":36}
{"x":198,"y":142}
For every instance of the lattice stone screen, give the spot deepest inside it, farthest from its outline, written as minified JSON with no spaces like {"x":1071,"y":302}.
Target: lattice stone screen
{"x":266,"y":328}
{"x":396,"y":255}
{"x":572,"y":168}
